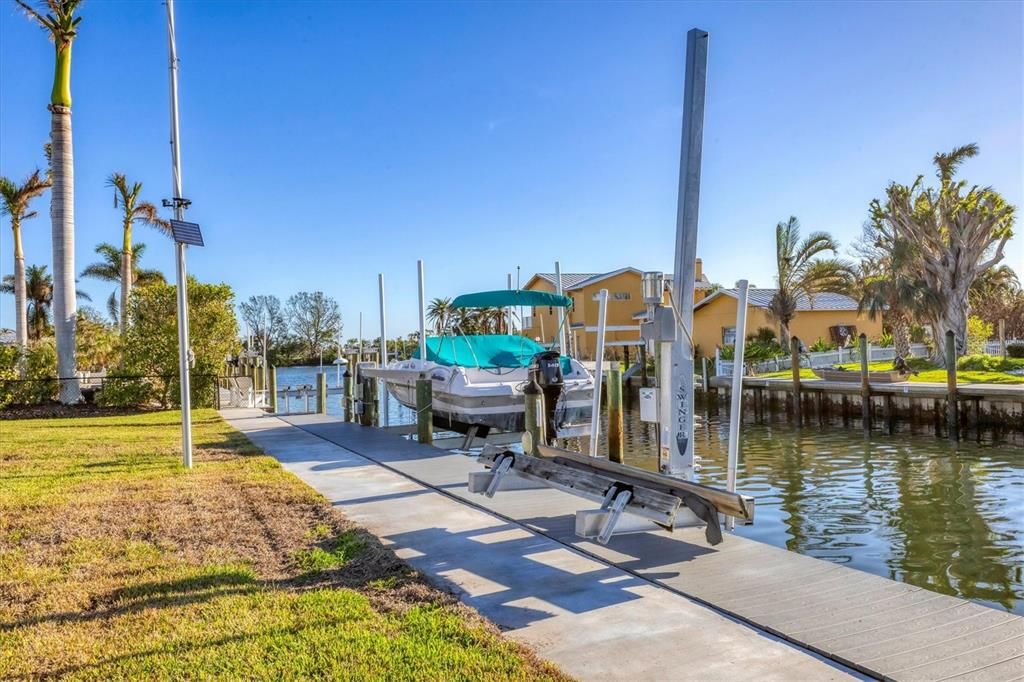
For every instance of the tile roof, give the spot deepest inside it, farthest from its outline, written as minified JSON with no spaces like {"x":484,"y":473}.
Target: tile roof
{"x":763,"y":297}
{"x":569,"y":279}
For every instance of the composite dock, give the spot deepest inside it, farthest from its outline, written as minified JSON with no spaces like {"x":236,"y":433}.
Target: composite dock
{"x":860,"y":622}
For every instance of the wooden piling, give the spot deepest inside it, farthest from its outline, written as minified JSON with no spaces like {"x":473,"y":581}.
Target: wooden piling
{"x":865,"y":385}
{"x":348,"y":397}
{"x":794,"y":355}
{"x":704,"y":375}
{"x":643,"y":366}
{"x":952,"y":418}
{"x":272,"y":388}
{"x":615,"y":443}
{"x":535,"y":421}
{"x":424,"y":409}
{"x":1002,"y":338}
{"x":321,"y":393}
{"x":888,"y":413}
{"x":369,"y":416}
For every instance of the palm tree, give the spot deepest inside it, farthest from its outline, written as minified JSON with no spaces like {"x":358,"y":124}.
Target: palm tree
{"x":57,"y":17}
{"x":133,"y":211}
{"x":14,"y":200}
{"x":110,"y":269}
{"x":440,"y":313}
{"x":39,"y":297}
{"x":801,"y":274}
{"x":956,"y":233}
{"x":886,"y":283}
{"x":465,"y":321}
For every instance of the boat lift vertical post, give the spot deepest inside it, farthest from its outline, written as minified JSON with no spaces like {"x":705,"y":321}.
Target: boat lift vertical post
{"x":423,"y":312}
{"x":681,"y":458}
{"x":736,"y":407}
{"x":595,"y":416}
{"x":508,"y":310}
{"x":563,"y":346}
{"x":383,"y":351}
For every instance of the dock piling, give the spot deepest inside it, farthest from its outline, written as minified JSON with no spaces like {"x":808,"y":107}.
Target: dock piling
{"x":794,"y":354}
{"x":369,"y":416}
{"x":347,"y":396}
{"x":615,"y":444}
{"x":535,"y":420}
{"x":952,"y":418}
{"x":865,"y":386}
{"x":321,"y":393}
{"x":272,"y":389}
{"x":424,"y":409}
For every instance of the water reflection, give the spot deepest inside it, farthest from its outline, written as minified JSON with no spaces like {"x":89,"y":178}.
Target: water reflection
{"x":911,"y":507}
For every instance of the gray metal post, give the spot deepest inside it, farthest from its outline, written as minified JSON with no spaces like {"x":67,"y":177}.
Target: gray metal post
{"x":383,"y":350}
{"x":423,"y":312}
{"x":736,"y":410}
{"x":563,"y":345}
{"x":681,"y":458}
{"x":181,"y":275}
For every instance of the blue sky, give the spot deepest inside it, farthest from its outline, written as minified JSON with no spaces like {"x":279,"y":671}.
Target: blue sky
{"x":324,"y":142}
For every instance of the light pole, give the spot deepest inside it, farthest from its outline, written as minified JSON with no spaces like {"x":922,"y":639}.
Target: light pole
{"x":184,"y":234}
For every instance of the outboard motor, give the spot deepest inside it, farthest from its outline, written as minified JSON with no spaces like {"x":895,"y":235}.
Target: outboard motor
{"x":546,"y":369}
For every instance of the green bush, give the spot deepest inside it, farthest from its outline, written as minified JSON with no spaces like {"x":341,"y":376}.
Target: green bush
{"x":885,"y":340}
{"x":821,"y":345}
{"x":39,"y":383}
{"x":763,"y":334}
{"x":121,"y":389}
{"x":754,"y":351}
{"x":1015,"y":350}
{"x":989,"y":363}
{"x":978,"y":332}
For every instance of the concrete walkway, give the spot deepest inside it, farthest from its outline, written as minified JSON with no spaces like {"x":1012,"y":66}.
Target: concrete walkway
{"x":593,"y":619}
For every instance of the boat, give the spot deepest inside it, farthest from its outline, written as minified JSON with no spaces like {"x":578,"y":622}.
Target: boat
{"x":477,"y":380}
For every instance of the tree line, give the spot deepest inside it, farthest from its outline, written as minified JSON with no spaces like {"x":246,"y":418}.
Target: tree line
{"x":297,"y":332}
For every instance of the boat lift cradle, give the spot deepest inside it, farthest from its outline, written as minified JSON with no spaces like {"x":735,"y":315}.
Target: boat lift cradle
{"x":632,"y":500}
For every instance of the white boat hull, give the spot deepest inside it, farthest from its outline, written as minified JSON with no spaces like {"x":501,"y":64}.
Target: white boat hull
{"x":491,"y":398}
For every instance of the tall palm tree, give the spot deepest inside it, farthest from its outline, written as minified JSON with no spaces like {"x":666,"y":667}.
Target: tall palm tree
{"x":126,"y":196}
{"x":801,"y":273}
{"x":57,"y":18}
{"x":39,"y":298}
{"x":14,"y":201}
{"x":110,"y":269}
{"x":440,"y":313}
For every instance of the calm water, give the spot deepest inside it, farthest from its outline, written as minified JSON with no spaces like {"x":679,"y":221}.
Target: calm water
{"x":913,"y":508}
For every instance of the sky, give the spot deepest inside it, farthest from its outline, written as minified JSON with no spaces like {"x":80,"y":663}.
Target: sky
{"x":323,"y":143}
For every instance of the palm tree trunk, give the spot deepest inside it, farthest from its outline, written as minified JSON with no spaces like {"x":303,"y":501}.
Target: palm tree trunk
{"x":901,"y":334}
{"x":65,"y":306}
{"x":126,"y":281}
{"x":20,"y":304}
{"x":952,"y":316}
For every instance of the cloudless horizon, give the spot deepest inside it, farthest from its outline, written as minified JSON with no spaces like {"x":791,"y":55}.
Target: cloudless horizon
{"x":323,"y":143}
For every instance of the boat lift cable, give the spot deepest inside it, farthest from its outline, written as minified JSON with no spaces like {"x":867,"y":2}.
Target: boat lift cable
{"x":679,"y":320}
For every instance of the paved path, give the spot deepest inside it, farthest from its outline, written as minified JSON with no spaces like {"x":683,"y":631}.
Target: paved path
{"x":594,"y":619}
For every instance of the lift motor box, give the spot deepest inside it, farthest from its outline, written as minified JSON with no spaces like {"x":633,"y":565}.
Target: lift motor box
{"x":649,"y":405}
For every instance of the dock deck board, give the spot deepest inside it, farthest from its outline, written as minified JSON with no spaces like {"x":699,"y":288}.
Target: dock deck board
{"x":876,"y":625}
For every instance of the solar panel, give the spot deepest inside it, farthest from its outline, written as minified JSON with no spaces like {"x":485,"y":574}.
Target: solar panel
{"x":186,"y":233}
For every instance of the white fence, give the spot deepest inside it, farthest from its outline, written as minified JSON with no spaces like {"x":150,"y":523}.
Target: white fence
{"x":840,"y":357}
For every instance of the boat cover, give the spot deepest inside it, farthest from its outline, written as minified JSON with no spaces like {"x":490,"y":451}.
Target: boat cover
{"x":488,"y":351}
{"x":505,"y":298}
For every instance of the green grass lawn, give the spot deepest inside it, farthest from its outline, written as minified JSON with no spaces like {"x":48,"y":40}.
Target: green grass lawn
{"x":117,"y":563}
{"x":927,"y":372}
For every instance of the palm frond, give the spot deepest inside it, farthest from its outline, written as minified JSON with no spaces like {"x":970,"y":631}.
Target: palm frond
{"x":113,"y":307}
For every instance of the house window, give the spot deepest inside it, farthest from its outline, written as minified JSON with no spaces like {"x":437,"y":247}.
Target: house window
{"x":621,"y":296}
{"x":728,"y":336}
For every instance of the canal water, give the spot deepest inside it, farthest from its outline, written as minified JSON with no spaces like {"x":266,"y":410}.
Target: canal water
{"x":911,"y":507}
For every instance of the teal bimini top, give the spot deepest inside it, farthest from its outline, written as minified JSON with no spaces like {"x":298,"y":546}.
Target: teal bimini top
{"x":507,"y":298}
{"x":487,"y":351}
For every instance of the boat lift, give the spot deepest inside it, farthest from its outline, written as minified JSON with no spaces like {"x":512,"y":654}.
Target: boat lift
{"x":632,"y":500}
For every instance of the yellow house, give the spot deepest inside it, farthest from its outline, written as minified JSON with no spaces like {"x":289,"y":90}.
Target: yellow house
{"x":624,"y":300}
{"x":831,"y":317}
